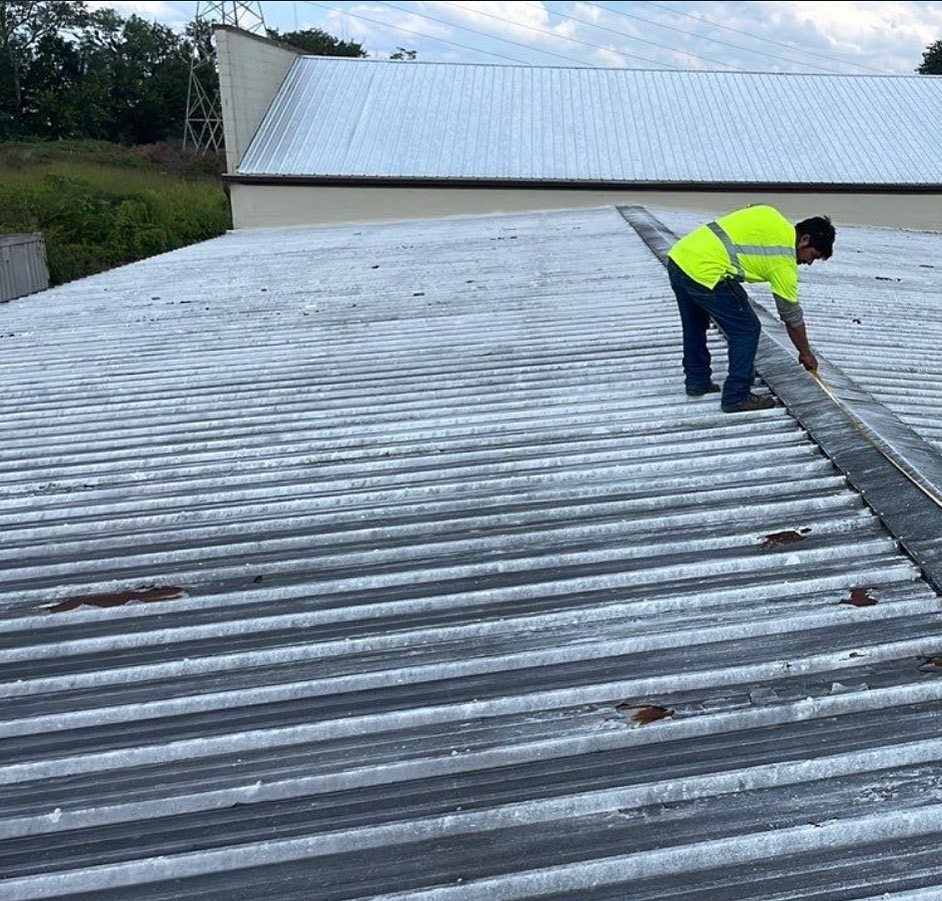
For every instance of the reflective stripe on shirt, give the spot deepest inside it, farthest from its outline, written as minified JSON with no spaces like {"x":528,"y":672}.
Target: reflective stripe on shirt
{"x":758,"y":250}
{"x":754,"y":244}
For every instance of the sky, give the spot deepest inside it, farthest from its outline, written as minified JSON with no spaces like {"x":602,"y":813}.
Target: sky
{"x":844,"y":37}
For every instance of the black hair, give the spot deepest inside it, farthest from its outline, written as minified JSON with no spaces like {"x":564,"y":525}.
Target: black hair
{"x":821,"y":232}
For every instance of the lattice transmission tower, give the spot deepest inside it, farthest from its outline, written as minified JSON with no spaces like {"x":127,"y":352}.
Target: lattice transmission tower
{"x":203,"y":129}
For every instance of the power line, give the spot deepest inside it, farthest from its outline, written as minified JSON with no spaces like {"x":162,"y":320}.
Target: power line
{"x":551,"y":34}
{"x":631,"y":37}
{"x":747,"y":34}
{"x":481,"y":34}
{"x":417,"y":33}
{"x":892,"y":7}
{"x":695,"y":35}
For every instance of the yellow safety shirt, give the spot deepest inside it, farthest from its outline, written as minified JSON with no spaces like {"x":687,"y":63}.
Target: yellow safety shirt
{"x":754,"y":244}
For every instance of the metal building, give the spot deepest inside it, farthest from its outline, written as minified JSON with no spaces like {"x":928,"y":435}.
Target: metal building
{"x":331,"y":139}
{"x":23,"y":268}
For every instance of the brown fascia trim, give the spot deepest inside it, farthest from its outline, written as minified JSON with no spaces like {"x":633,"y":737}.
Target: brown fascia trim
{"x":536,"y":185}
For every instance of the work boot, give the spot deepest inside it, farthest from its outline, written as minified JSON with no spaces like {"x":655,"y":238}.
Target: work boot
{"x":752,"y":402}
{"x":712,"y":388}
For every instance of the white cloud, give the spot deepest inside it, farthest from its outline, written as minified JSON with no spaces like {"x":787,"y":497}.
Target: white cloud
{"x":888,"y":37}
{"x":885,"y":36}
{"x":521,"y":23}
{"x":382,"y":29}
{"x":846,"y":37}
{"x":167,"y":13}
{"x":520,"y":16}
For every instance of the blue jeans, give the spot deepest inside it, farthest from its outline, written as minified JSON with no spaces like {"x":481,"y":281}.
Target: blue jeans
{"x":728,"y":306}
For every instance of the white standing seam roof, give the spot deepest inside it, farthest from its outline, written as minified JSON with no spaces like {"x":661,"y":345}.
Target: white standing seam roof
{"x":393,"y":562}
{"x":347,"y":118}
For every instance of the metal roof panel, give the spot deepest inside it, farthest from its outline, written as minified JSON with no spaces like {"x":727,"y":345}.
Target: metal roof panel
{"x":419,"y":576}
{"x":346,"y":118}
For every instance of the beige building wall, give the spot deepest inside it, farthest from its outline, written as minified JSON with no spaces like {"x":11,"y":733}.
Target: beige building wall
{"x":274,"y":205}
{"x":251,"y":69}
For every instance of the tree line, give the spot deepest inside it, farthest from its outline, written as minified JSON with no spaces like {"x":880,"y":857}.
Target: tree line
{"x":67,"y":71}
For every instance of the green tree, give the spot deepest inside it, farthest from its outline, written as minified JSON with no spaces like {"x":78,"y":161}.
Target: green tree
{"x":144,"y":72}
{"x":53,"y":102}
{"x":932,"y":60}
{"x":402,"y":53}
{"x":24,"y":24}
{"x":115,"y":79}
{"x":317,"y":42}
{"x":67,"y":72}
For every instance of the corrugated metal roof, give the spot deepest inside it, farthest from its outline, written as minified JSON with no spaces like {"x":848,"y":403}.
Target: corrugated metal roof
{"x":439,"y":588}
{"x":341,"y":118}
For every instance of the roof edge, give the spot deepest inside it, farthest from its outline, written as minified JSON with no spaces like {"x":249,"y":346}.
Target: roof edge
{"x":260,"y":38}
{"x":543,"y":184}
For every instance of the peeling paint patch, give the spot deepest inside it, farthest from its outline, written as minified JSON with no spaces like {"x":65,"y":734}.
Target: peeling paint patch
{"x":789,"y":536}
{"x":117,"y":599}
{"x":644,"y":714}
{"x":860,"y":597}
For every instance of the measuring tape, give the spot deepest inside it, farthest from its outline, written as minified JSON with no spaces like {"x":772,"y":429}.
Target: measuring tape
{"x":868,"y":433}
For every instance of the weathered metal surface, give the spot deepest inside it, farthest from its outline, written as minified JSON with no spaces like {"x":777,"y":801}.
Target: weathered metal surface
{"x":394,"y":562}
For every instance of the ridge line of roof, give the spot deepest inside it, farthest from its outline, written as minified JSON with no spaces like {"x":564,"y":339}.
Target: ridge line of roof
{"x":587,"y":68}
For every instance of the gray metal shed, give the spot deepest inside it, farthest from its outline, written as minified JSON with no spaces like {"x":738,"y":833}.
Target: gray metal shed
{"x":23,"y":268}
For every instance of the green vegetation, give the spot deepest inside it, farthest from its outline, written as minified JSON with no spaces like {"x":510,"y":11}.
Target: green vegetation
{"x":932,"y":60}
{"x":101,"y":205}
{"x":89,"y":100}
{"x":320,"y":43}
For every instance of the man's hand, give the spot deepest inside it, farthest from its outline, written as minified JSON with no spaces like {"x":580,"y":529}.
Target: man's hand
{"x":799,"y":338}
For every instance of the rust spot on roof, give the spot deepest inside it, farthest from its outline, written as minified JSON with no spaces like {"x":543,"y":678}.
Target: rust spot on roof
{"x":931,"y":665}
{"x":790,"y":536}
{"x":645,"y":714}
{"x":860,"y":597}
{"x":117,"y":599}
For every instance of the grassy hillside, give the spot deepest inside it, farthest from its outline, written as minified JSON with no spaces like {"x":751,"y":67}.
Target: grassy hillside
{"x":102,"y":205}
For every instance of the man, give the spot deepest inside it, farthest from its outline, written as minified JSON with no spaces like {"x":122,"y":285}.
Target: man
{"x":755,"y":244}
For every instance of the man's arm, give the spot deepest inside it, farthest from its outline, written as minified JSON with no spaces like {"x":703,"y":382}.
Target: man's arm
{"x":792,"y":316}
{"x":799,"y":338}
